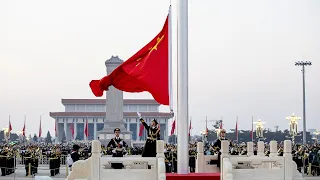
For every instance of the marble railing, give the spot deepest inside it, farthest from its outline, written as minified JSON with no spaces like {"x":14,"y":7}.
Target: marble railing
{"x":135,"y":167}
{"x":250,"y":166}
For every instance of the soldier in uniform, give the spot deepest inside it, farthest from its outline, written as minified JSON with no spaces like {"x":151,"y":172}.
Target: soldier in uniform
{"x":153,"y":132}
{"x":27,"y":162}
{"x":118,"y":146}
{"x":192,"y":158}
{"x":217,"y":145}
{"x":168,"y":160}
{"x":52,"y":163}
{"x":3,"y":162}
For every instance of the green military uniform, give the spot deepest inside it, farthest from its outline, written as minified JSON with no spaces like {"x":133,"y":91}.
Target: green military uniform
{"x":3,"y":162}
{"x":192,"y":159}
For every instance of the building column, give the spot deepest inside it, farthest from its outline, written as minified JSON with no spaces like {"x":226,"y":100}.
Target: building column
{"x":128,"y":126}
{"x":75,"y":129}
{"x":84,"y":133}
{"x":65,"y":128}
{"x":57,"y":131}
{"x":94,"y":129}
{"x":138,"y":130}
{"x":166,"y":133}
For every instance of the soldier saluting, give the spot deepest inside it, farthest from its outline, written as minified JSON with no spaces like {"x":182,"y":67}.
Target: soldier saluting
{"x":153,"y":132}
{"x":118,"y":146}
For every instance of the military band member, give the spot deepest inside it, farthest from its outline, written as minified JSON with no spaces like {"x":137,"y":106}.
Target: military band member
{"x":118,"y":146}
{"x":153,"y":132}
{"x":28,"y":162}
{"x":52,"y":163}
{"x":3,"y":162}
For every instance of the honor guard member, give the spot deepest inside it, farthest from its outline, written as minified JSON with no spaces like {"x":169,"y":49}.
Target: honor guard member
{"x":153,"y":132}
{"x":118,"y":146}
{"x":74,"y":155}
{"x":217,"y":145}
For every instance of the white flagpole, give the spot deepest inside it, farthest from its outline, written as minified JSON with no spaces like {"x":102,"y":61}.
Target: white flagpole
{"x":182,"y":105}
{"x":170,"y":60}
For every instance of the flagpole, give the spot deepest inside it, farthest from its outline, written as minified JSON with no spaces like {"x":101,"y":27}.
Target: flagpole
{"x":170,"y":60}
{"x":252,"y":129}
{"x":237,"y":131}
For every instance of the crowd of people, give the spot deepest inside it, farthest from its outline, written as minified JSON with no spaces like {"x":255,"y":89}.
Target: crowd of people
{"x":57,"y":155}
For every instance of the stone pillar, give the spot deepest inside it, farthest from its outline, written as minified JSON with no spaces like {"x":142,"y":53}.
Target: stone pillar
{"x":114,"y":108}
{"x":250,"y":148}
{"x":94,"y":129}
{"x":200,"y":158}
{"x":260,"y":151}
{"x":95,"y":159}
{"x":273,"y":148}
{"x":288,"y":173}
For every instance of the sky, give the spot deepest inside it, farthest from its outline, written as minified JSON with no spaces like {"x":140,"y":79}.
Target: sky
{"x":241,"y":56}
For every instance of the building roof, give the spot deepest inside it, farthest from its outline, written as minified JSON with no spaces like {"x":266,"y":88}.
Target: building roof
{"x":125,"y":114}
{"x":103,"y":101}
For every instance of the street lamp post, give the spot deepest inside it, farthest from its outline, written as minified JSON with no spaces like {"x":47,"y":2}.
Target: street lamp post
{"x":303,"y":64}
{"x":293,"y":126}
{"x":6,"y":133}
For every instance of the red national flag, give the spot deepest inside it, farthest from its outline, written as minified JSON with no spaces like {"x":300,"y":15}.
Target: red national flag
{"x":173,"y":127}
{"x":221,"y":124}
{"x":24,"y":128}
{"x":190,"y":128}
{"x":86,"y":129}
{"x":40,"y":129}
{"x":72,"y":130}
{"x":55,"y":128}
{"x":147,"y":70}
{"x":10,"y":127}
{"x":141,"y":129}
{"x":207,"y":131}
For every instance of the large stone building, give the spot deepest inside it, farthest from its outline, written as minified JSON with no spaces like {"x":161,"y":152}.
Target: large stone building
{"x":78,"y":110}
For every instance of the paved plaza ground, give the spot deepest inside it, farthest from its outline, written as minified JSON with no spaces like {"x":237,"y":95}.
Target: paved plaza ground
{"x":44,"y":171}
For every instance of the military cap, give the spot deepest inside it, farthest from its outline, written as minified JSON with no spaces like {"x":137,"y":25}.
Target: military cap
{"x":76,"y":147}
{"x":116,"y":129}
{"x":155,"y":121}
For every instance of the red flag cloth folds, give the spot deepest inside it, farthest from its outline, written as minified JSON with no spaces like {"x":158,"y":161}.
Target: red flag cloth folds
{"x":86,"y":130}
{"x":72,"y":130}
{"x":173,"y":127}
{"x":40,"y":129}
{"x":24,"y":129}
{"x":147,"y":70}
{"x":141,"y":129}
{"x":10,"y":127}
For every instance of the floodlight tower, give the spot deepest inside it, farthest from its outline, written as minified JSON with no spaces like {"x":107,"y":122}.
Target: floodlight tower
{"x":303,"y":64}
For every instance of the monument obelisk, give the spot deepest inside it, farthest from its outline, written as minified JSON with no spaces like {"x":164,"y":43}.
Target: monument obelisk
{"x":114,"y":109}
